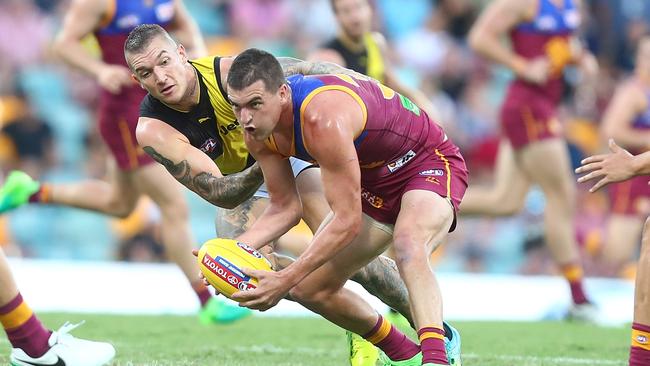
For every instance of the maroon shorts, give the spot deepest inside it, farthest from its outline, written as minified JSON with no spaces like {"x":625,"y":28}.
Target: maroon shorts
{"x":441,"y":171}
{"x":118,"y":118}
{"x":527,"y":117}
{"x":631,"y":197}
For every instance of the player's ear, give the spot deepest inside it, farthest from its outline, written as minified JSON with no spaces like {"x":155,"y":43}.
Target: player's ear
{"x":137,"y":81}
{"x":284,"y":92}
{"x":182,"y":52}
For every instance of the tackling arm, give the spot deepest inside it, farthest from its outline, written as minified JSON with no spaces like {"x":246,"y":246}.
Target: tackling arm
{"x":627,"y":102}
{"x":193,"y":168}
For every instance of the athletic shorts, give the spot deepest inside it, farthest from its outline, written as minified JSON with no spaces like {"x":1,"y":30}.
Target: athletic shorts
{"x":298,"y":167}
{"x":527,"y":118}
{"x":118,"y":118}
{"x":631,"y":197}
{"x":442,"y":171}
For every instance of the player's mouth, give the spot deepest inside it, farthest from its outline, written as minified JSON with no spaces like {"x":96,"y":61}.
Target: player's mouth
{"x":167,"y":91}
{"x":250,"y":129}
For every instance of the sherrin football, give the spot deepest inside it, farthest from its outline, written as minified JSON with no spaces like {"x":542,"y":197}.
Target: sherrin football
{"x":221,"y":261}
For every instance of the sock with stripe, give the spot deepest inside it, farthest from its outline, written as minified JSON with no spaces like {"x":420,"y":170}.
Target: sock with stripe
{"x":640,"y":348}
{"x":432,"y":344}
{"x":202,"y":292}
{"x":23,"y":328}
{"x":574,"y":274}
{"x":43,"y":195}
{"x":394,"y":343}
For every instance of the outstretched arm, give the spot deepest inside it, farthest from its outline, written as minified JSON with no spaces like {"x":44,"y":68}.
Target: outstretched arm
{"x":193,"y":168}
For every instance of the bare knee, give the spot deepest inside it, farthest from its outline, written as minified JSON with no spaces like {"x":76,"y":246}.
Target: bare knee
{"x":121,"y":208}
{"x":409,"y":250}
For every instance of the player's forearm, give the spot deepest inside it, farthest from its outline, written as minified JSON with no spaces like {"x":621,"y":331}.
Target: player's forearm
{"x":641,"y":164}
{"x":223,"y":191}
{"x":631,"y":139}
{"x":494,"y":50}
{"x":74,"y":54}
{"x":292,"y":66}
{"x":272,"y":224}
{"x":336,"y":235}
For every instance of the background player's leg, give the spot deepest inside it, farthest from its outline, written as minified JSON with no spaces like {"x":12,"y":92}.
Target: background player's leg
{"x":547,"y":164}
{"x":115,"y":197}
{"x":621,"y":241}
{"x":416,"y":236}
{"x":640,"y":348}
{"x":32,"y":343}
{"x":506,"y":196}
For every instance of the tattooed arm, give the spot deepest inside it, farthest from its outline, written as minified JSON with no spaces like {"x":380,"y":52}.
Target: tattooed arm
{"x":293,"y":66}
{"x":193,"y":168}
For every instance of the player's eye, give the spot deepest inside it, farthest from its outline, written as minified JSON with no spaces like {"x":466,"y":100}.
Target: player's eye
{"x":144,"y":74}
{"x":256,"y":104}
{"x":164,"y":61}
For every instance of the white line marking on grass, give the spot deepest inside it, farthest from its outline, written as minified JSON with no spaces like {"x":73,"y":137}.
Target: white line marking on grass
{"x":545,"y":360}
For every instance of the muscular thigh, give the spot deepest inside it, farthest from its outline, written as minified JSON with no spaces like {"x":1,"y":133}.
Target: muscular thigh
{"x":425,"y":217}
{"x":372,"y":240}
{"x":547,"y":164}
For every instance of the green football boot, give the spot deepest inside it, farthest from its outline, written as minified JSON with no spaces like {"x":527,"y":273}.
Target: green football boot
{"x":413,"y":361}
{"x":220,"y":312}
{"x":17,"y":189}
{"x":362,"y":352}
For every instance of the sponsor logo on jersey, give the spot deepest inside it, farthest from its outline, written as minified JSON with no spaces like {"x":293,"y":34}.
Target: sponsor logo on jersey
{"x":229,"y":127}
{"x":433,"y":180}
{"x":208,"y":146}
{"x":433,"y":172}
{"x":642,"y":339}
{"x":374,"y":200}
{"x":128,"y":21}
{"x":393,"y":166}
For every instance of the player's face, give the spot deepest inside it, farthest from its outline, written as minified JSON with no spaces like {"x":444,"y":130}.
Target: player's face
{"x":257,"y":109}
{"x":354,"y":17}
{"x":161,"y":68}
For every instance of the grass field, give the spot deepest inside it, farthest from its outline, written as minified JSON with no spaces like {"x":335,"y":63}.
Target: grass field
{"x":175,"y":340}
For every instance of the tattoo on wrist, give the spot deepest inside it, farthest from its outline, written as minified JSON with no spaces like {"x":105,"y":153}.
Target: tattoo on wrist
{"x":228,"y":191}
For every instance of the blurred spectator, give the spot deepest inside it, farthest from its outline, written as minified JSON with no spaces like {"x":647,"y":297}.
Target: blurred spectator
{"x":28,"y":142}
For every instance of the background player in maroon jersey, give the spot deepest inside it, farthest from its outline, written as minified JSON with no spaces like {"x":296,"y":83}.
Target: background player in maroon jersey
{"x":532,"y":149}
{"x":627,"y":120}
{"x":131,"y":172}
{"x":617,"y":166}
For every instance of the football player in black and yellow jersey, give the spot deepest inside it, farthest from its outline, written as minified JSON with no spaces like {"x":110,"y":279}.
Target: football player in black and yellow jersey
{"x":358,"y":48}
{"x":188,"y":125}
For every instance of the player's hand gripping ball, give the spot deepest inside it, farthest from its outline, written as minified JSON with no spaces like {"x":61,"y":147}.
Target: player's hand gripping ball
{"x":221,"y":261}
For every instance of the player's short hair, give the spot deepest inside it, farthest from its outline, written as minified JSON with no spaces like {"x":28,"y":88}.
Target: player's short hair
{"x":253,"y":65}
{"x":142,"y":35}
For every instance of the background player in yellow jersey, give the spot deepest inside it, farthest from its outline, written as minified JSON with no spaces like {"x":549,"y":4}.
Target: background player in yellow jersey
{"x":617,"y":166}
{"x":360,"y":49}
{"x":131,"y":172}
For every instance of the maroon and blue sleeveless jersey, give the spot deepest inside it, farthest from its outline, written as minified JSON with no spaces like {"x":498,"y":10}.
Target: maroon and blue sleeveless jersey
{"x":547,"y":34}
{"x":399,"y":148}
{"x":395,"y":130}
{"x":124,"y":15}
{"x":642,"y":120}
